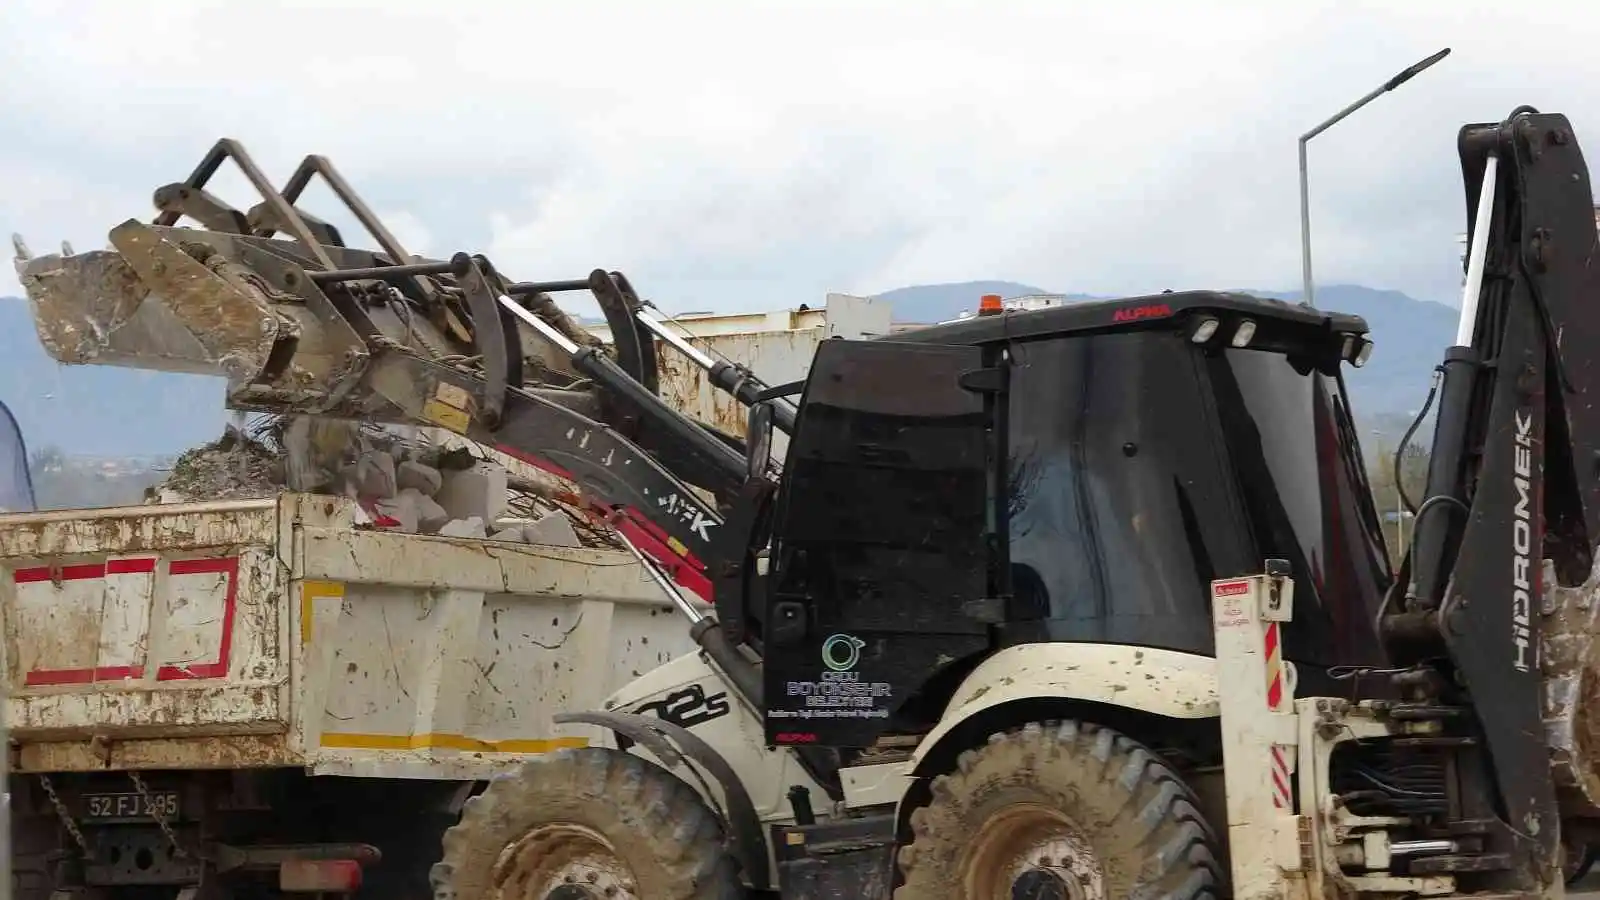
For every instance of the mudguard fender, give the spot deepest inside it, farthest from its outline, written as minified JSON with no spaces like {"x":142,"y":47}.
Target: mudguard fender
{"x":1160,"y":682}
{"x":671,"y":743}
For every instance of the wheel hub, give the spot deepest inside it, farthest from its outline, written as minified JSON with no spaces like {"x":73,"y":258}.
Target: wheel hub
{"x":1032,"y":852}
{"x":1041,"y":884}
{"x":563,"y":862}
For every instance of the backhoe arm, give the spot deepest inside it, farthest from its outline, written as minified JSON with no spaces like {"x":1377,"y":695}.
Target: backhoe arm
{"x":1513,"y":475}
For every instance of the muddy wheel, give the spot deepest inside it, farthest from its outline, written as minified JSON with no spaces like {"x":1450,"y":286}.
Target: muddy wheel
{"x":1060,"y":811}
{"x":590,"y":824}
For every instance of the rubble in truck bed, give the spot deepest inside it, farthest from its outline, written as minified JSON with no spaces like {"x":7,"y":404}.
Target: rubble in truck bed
{"x":401,"y":483}
{"x":233,"y":467}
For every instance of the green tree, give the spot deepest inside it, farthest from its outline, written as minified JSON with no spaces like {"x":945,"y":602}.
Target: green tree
{"x":46,"y":459}
{"x":1395,"y":511}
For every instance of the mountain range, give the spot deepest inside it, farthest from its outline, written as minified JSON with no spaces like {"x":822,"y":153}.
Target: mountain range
{"x":113,"y":412}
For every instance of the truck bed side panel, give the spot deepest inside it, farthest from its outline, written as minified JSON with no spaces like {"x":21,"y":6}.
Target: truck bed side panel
{"x":434,"y":657}
{"x":144,"y":623}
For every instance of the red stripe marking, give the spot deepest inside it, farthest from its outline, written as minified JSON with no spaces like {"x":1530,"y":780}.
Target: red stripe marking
{"x":1280,"y":779}
{"x":1275,"y":668}
{"x":535,"y":461}
{"x":1280,"y":796}
{"x":84,"y":572}
{"x":229,"y":566}
{"x":140,"y":566}
{"x":81,"y":572}
{"x":82,"y":676}
{"x":687,"y":571}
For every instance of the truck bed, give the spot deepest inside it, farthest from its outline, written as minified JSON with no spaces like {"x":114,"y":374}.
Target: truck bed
{"x":269,"y":633}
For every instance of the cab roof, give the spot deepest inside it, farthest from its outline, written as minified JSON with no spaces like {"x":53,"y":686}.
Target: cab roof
{"x":1277,"y":325}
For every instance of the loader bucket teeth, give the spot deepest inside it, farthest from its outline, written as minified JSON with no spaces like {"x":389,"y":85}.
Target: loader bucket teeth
{"x":90,"y":308}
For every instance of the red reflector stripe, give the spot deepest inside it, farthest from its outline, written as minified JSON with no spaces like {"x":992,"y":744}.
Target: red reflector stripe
{"x":311,"y":876}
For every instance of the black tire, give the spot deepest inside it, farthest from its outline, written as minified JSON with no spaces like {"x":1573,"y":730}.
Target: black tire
{"x":589,"y":819}
{"x":1059,"y":802}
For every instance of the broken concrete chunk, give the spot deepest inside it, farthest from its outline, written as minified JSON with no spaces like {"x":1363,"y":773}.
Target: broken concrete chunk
{"x":414,"y":510}
{"x":470,"y":527}
{"x":374,"y":474}
{"x":513,"y":534}
{"x":478,"y":492}
{"x":401,"y":513}
{"x":430,"y":515}
{"x":411,"y":474}
{"x":552,"y":530}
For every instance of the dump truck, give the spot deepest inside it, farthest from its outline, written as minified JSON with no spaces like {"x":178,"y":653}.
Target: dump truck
{"x":263,"y":688}
{"x":1088,"y":601}
{"x":182,"y":672}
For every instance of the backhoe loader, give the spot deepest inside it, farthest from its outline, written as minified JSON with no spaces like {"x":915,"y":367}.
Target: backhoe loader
{"x":1082,"y":602}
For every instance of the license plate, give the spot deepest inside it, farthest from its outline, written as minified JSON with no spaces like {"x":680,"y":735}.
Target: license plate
{"x":112,"y":807}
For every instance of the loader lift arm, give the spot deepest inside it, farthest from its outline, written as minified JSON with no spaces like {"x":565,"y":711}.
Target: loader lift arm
{"x":1513,"y":481}
{"x":307,"y":325}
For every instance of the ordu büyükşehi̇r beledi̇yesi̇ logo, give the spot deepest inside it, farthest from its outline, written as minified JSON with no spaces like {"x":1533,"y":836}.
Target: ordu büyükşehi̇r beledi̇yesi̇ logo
{"x":842,"y":652}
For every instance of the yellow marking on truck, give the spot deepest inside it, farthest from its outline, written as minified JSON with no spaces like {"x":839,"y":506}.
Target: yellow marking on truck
{"x":349,"y":741}
{"x":310,"y":593}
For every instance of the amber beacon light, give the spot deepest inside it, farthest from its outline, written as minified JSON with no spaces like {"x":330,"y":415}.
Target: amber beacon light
{"x":989,"y":305}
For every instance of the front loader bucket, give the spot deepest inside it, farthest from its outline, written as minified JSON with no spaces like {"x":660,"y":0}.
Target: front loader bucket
{"x":301,"y":323}
{"x":99,"y":308}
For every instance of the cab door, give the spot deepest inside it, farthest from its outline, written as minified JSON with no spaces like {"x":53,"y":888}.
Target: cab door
{"x":881,"y":535}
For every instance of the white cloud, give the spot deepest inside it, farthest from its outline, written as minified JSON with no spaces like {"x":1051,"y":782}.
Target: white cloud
{"x":759,"y":153}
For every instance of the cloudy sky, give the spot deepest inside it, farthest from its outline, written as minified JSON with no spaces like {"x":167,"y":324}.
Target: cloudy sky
{"x":755,"y":154}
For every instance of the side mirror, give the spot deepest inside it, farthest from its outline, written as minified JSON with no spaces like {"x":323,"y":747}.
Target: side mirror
{"x":758,"y":440}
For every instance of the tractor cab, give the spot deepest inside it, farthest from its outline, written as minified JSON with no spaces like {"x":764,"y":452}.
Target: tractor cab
{"x":1074,"y":474}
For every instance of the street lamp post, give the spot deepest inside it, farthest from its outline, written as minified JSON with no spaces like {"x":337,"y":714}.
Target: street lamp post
{"x":1308,"y":294}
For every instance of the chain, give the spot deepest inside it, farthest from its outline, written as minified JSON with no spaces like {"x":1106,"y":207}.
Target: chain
{"x":155,"y":813}
{"x":63,"y":814}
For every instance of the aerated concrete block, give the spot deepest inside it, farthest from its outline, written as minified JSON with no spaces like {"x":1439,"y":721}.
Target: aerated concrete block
{"x":553,"y":530}
{"x":476,"y":492}
{"x":425,"y":479}
{"x":470,"y":527}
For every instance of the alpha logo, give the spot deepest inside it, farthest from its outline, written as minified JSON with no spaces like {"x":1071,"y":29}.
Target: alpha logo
{"x":1139,"y":313}
{"x":841,"y":652}
{"x":1522,"y":575}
